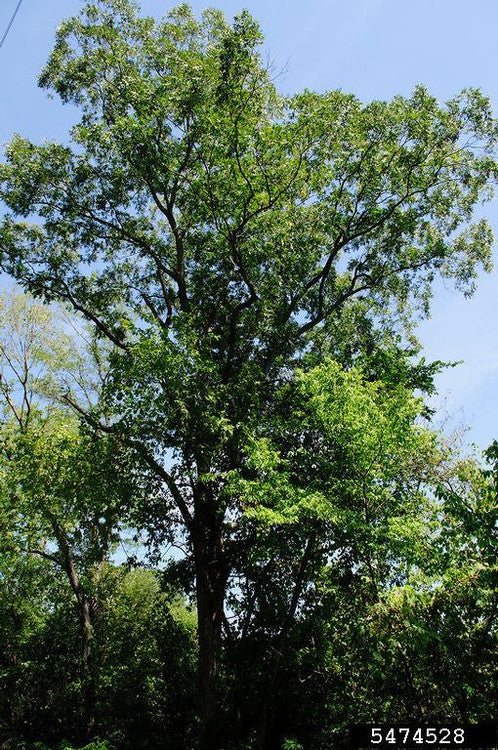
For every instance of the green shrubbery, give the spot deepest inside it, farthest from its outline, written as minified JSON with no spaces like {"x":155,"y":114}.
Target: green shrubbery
{"x":143,"y":666}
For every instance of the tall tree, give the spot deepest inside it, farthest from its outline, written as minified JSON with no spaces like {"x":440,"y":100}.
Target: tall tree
{"x":215,"y":232}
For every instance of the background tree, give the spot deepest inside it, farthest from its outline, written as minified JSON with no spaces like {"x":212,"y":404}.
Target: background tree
{"x":67,"y":492}
{"x":34,"y":348}
{"x":84,"y":644}
{"x":215,"y":232}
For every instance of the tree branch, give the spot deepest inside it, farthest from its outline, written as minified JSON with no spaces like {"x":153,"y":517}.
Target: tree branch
{"x":142,"y":451}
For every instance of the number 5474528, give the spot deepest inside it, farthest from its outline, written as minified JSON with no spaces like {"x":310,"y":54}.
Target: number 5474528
{"x":417,"y":735}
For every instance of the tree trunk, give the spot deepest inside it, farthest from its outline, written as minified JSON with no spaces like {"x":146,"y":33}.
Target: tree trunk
{"x":211,"y":578}
{"x":85,"y":618}
{"x":209,"y":608}
{"x":88,"y":680}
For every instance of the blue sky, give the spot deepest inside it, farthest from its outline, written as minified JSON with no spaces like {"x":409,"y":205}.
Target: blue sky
{"x":372,"y":48}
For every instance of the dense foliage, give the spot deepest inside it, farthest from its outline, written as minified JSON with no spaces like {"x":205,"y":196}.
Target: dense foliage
{"x":247,"y":391}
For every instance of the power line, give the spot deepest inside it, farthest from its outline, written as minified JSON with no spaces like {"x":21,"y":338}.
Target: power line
{"x":10,"y":23}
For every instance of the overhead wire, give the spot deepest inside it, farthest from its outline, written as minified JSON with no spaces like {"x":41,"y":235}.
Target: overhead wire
{"x":4,"y":37}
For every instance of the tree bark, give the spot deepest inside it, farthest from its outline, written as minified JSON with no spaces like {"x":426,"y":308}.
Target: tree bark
{"x":209,"y":619}
{"x":85,"y":617}
{"x":211,"y":572}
